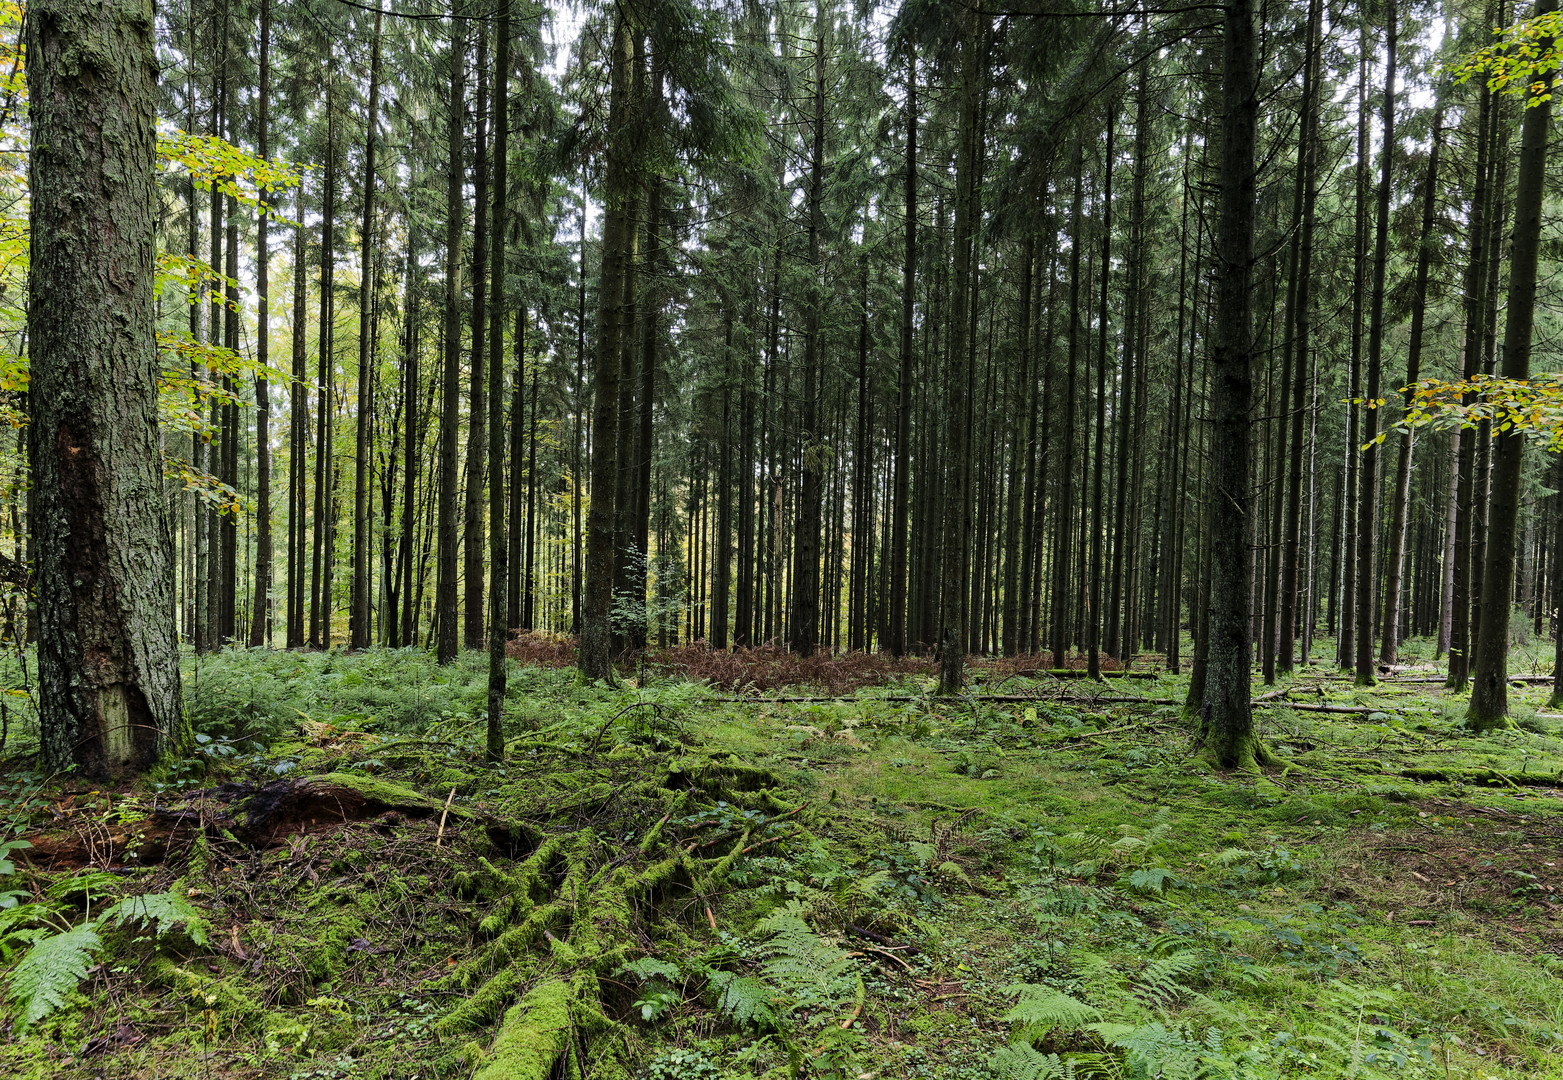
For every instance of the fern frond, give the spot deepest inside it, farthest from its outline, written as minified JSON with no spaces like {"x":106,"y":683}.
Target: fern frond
{"x":162,"y":911}
{"x":1163,"y":980}
{"x":50,"y":972}
{"x":745,"y":1000}
{"x":1042,"y":1010}
{"x":1022,"y":1061}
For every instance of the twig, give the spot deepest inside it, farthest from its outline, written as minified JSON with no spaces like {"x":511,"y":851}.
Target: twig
{"x":440,"y":838}
{"x":771,"y":840}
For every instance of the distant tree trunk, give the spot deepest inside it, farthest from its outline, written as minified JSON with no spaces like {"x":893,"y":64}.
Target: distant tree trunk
{"x":320,"y":564}
{"x":1019,"y":465}
{"x":108,"y":654}
{"x":260,"y":611}
{"x":298,"y":440}
{"x":446,"y":630}
{"x":1345,"y":647}
{"x":617,"y":243}
{"x":405,"y":633}
{"x":1062,"y":579}
{"x":498,"y":549}
{"x":1367,"y":476}
{"x":520,"y":480}
{"x":1227,"y":718}
{"x":805,"y":592}
{"x":1557,"y":583}
{"x":1094,"y":619}
{"x":1400,"y":510}
{"x":958,"y":500}
{"x":1489,"y":677}
{"x":900,"y":499}
{"x":477,"y":410}
{"x":359,"y":622}
{"x":1301,"y":327}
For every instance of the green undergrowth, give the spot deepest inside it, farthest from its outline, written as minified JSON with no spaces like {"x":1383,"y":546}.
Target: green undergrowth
{"x":652,"y":886}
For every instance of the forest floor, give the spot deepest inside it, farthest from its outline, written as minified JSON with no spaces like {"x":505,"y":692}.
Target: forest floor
{"x":658,"y":883}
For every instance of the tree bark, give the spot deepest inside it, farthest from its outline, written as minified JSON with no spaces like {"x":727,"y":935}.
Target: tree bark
{"x":359,"y":618}
{"x":108,"y":660}
{"x":1228,"y":726}
{"x":260,"y":610}
{"x":446,"y":630}
{"x":1489,"y":677}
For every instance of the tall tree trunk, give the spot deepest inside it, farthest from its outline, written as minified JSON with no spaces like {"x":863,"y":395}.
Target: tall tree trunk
{"x":320,"y":573}
{"x":805,"y":593}
{"x":498,"y":549}
{"x":1489,"y":676}
{"x":1227,"y":719}
{"x":958,"y":501}
{"x":1401,"y":508}
{"x":477,"y":409}
{"x":359,"y":618}
{"x":617,"y":243}
{"x":900,"y":508}
{"x":1066,"y":474}
{"x":1345,"y":642}
{"x":1093,"y":623}
{"x":260,"y":621}
{"x":1301,"y":333}
{"x":446,"y":630}
{"x":108,"y":653}
{"x":1367,"y":475}
{"x":298,"y":440}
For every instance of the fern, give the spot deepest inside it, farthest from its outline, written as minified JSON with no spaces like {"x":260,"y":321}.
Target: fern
{"x":162,"y":911}
{"x":1022,"y":1061}
{"x":1042,"y":1010}
{"x":1165,"y":980}
{"x":746,"y":1001}
{"x":56,"y":963}
{"x":51,"y":971}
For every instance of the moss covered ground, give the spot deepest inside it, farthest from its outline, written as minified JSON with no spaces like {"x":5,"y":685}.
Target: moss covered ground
{"x":658,"y":884}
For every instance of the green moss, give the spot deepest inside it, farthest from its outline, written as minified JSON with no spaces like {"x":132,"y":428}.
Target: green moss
{"x":234,"y":1009}
{"x":535,"y":1032}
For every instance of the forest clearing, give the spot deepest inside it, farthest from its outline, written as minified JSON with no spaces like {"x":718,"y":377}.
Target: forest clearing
{"x":787,"y":538}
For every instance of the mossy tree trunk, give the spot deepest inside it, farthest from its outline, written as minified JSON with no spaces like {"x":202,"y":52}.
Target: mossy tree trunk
{"x":108,"y":662}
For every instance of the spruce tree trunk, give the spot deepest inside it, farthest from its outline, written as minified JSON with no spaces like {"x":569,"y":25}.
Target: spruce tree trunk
{"x":1388,"y":649}
{"x":617,"y":240}
{"x":260,"y":610}
{"x":804,"y":637}
{"x":298,"y":441}
{"x":498,"y":547}
{"x":108,"y":660}
{"x":900,"y":509}
{"x":1489,"y":676}
{"x":472,"y":570}
{"x":1475,"y":296}
{"x":958,"y":508}
{"x":1367,"y":475}
{"x":1345,"y":642}
{"x":1066,"y":471}
{"x":359,"y":616}
{"x":1302,"y":324}
{"x":320,"y":563}
{"x":1227,"y":719}
{"x":1093,"y":615}
{"x":446,"y":630}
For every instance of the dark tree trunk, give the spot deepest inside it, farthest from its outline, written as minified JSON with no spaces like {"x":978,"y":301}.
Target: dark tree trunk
{"x":1227,"y":719}
{"x":260,"y":610}
{"x":1367,"y":475}
{"x":108,"y":659}
{"x":1489,"y":674}
{"x":958,"y":501}
{"x":617,"y":245}
{"x":298,"y":442}
{"x":498,"y":549}
{"x":472,"y":570}
{"x":1401,"y":507}
{"x":900,"y":498}
{"x":358,"y":633}
{"x":446,"y":630}
{"x":1094,"y":619}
